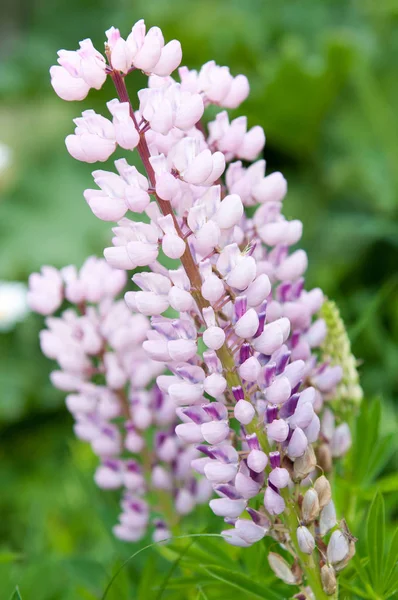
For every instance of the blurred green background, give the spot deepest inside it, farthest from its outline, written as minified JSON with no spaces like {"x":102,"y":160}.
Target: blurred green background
{"x":324,"y":87}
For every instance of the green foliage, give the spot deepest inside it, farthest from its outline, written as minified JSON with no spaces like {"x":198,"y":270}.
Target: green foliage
{"x":375,"y":573}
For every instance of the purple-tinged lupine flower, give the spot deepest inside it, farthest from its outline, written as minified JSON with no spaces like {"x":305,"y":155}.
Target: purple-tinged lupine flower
{"x":239,"y":291}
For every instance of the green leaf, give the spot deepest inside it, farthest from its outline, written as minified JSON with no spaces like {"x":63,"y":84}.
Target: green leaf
{"x":375,"y":541}
{"x":172,"y":570}
{"x":153,"y":545}
{"x":242,"y":582}
{"x":121,"y":588}
{"x":390,"y":576}
{"x":148,"y":574}
{"x":383,"y":450}
{"x":384,"y":485}
{"x":354,"y":589}
{"x":201,"y":595}
{"x":16,"y":594}
{"x":202,"y":552}
{"x":185,"y":583}
{"x":219,"y":551}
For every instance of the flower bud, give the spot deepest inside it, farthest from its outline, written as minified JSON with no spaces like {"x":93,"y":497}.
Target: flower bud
{"x":270,"y":340}
{"x":250,"y":369}
{"x":109,"y":475}
{"x":224,"y":507}
{"x":184,"y":502}
{"x":214,"y":337}
{"x":324,"y":457}
{"x":232,"y":537}
{"x":328,"y":578}
{"x":293,"y":267}
{"x":302,"y":416}
{"x":169,"y":60}
{"x":278,"y":430}
{"x":244,"y":412}
{"x":258,"y":290}
{"x":279,"y":477}
{"x":126,"y":133}
{"x":247,"y":325}
{"x":305,"y":540}
{"x":310,"y":506}
{"x":312,"y":430}
{"x":94,"y":138}
{"x":246,"y":486}
{"x":324,"y":491}
{"x":215,"y":432}
{"x":257,"y":461}
{"x":273,"y":502}
{"x":279,"y":391}
{"x":304,"y":465}
{"x":341,"y":440}
{"x":281,"y":568}
{"x":189,"y":432}
{"x":229,"y":212}
{"x":298,"y":444}
{"x":338,"y":547}
{"x":215,"y":385}
{"x":249,"y":531}
{"x":328,"y":518}
{"x":212,"y":288}
{"x":161,"y":478}
{"x":351,"y":552}
{"x":180,"y":300}
{"x":181,"y":350}
{"x":218,"y":472}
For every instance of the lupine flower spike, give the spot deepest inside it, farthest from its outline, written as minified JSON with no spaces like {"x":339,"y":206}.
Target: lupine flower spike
{"x":227,"y":314}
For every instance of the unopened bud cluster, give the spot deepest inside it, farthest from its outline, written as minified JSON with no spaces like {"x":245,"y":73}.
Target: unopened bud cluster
{"x":229,"y":315}
{"x":336,"y":350}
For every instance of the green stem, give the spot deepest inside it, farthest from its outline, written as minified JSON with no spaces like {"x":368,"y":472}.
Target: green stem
{"x":307,"y":563}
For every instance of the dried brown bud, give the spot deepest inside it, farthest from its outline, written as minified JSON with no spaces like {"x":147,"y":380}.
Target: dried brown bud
{"x":328,"y":577}
{"x":324,"y":491}
{"x":310,"y":508}
{"x":305,"y":464}
{"x":281,"y":568}
{"x":324,"y":457}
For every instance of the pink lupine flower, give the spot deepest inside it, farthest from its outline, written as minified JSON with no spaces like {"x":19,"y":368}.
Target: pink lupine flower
{"x":126,"y":133}
{"x":254,"y":401}
{"x":78,"y":72}
{"x":45,"y":291}
{"x":94,"y":138}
